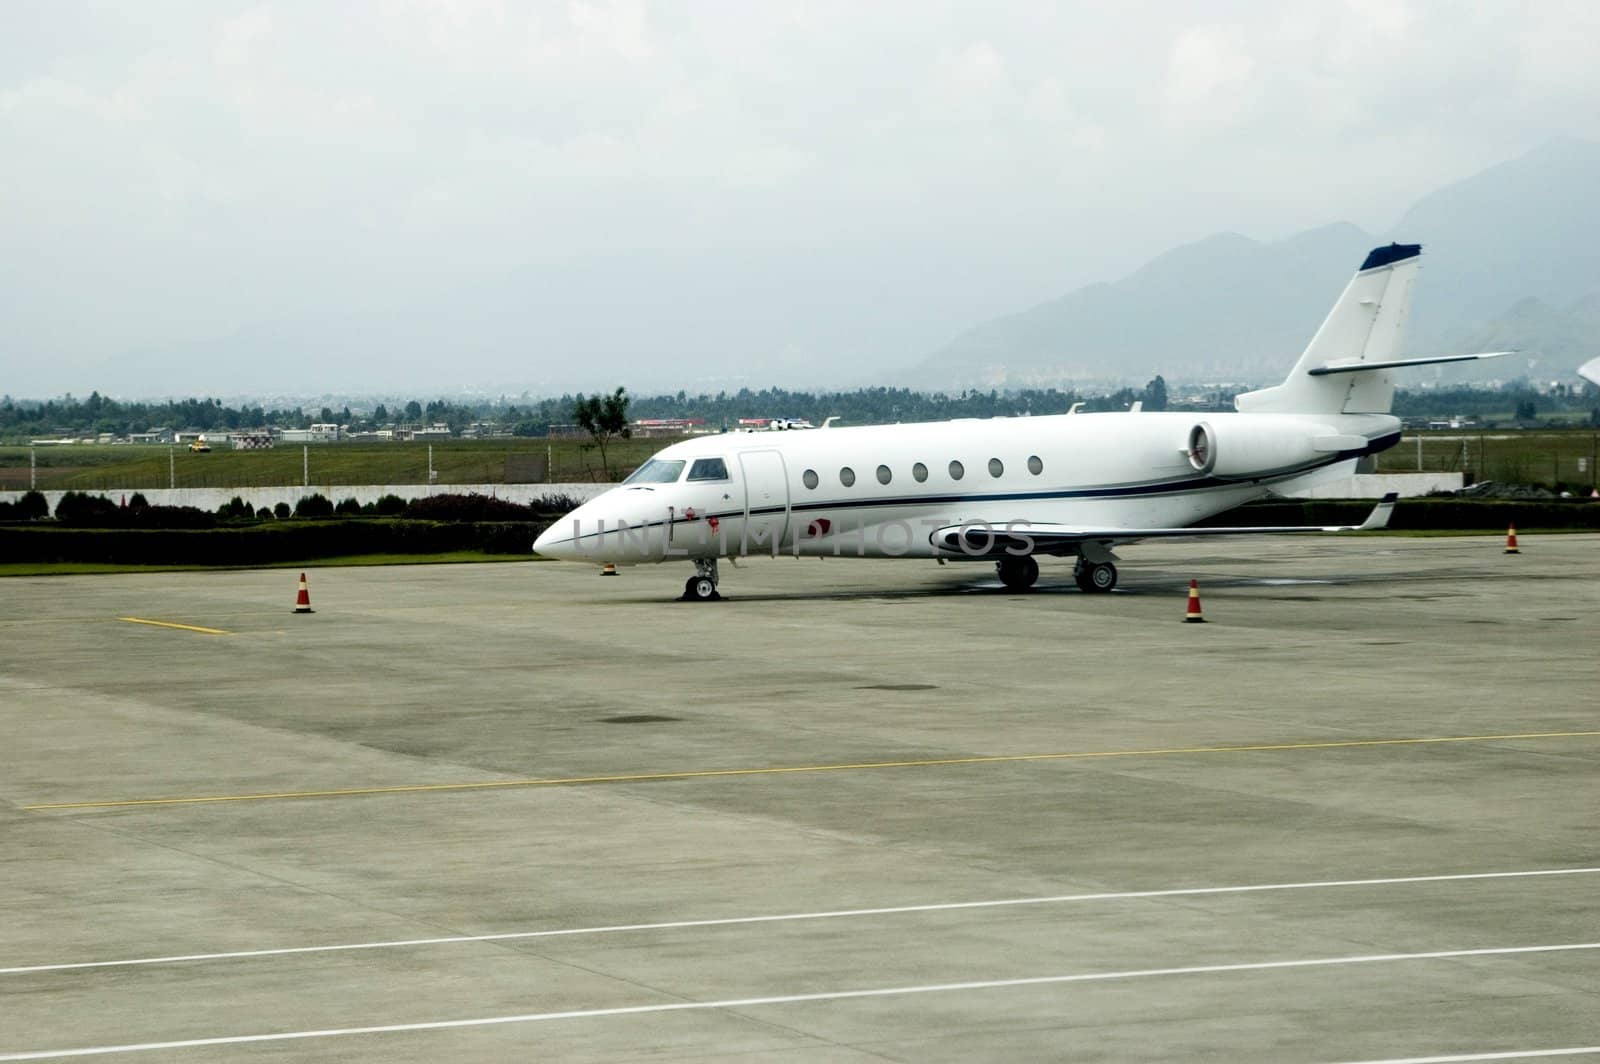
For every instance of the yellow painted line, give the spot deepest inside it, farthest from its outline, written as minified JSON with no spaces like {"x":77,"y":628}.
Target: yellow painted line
{"x":650,"y":777}
{"x":174,"y":624}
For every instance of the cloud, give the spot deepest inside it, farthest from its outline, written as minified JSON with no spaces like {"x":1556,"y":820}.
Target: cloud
{"x":862,"y":180}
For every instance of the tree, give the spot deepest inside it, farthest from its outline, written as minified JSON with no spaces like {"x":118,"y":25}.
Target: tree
{"x":602,"y":417}
{"x":1155,"y":394}
{"x":413,"y":411}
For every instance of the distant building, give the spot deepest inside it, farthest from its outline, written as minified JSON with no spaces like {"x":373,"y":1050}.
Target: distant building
{"x":437,"y":431}
{"x":324,"y":432}
{"x":659,"y":426}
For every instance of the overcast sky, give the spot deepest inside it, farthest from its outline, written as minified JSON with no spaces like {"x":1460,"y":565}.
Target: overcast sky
{"x":798,"y":192}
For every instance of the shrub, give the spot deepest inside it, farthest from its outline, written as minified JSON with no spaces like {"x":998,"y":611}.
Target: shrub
{"x":348,"y":508}
{"x":137,"y":501}
{"x":235,"y":509}
{"x":33,"y":506}
{"x":281,"y":510}
{"x":81,"y":508}
{"x":315,"y":505}
{"x":390,"y":506}
{"x":264,"y":513}
{"x":472,"y":507}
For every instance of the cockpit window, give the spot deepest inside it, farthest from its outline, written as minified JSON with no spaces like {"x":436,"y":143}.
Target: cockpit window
{"x":708,"y":469}
{"x":656,"y":471}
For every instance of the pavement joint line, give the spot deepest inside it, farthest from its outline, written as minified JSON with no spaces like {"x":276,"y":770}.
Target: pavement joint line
{"x":791,"y":999}
{"x":649,"y":777}
{"x":1176,"y":892}
{"x":1502,"y":1054}
{"x":174,"y":624}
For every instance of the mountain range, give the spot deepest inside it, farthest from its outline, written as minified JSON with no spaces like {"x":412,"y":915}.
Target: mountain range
{"x":1511,"y":260}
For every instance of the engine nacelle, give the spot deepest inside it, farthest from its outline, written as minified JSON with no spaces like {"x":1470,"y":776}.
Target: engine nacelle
{"x":1242,"y":447}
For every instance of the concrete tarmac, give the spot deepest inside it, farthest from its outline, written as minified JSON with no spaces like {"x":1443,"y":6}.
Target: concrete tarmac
{"x":859,"y":811}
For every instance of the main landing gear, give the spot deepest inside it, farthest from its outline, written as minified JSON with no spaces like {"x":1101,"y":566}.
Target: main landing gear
{"x":1017,"y":572}
{"x":702,"y":586}
{"x":1095,"y":577}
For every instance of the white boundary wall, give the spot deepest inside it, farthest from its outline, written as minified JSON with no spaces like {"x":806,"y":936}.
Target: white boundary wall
{"x":1358,"y":486}
{"x":1377,"y":485}
{"x":212,"y":498}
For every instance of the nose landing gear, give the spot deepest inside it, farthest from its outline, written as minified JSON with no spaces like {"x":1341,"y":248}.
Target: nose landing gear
{"x":702,"y":586}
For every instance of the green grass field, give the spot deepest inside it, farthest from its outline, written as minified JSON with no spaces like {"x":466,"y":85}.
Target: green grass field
{"x":1528,"y":457}
{"x":86,"y":568}
{"x":1543,"y":457}
{"x":90,"y":467}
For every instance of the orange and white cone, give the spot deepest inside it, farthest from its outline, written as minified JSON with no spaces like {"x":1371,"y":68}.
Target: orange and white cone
{"x":302,"y":599}
{"x":1511,"y":541}
{"x":608,"y":569}
{"x":1192,"y":615}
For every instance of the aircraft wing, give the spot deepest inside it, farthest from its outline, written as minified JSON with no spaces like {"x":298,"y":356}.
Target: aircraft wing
{"x":1018,"y":537}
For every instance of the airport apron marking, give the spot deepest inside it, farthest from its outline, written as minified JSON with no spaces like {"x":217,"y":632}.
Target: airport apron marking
{"x":174,"y":624}
{"x":791,"y":999}
{"x":652,"y":777}
{"x":775,"y":918}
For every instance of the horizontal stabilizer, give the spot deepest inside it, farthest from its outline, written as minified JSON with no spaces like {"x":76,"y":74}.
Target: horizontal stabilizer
{"x":1358,"y":366}
{"x":1016,"y":537}
{"x":1590,"y":370}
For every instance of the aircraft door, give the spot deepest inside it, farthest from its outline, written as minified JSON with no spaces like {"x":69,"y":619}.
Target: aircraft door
{"x":766,"y":502}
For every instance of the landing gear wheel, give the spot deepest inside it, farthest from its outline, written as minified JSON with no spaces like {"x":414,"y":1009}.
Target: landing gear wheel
{"x":700,"y":589}
{"x":1017,"y":573}
{"x":1095,"y":577}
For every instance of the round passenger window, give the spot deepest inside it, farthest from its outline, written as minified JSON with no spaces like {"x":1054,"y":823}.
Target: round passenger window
{"x":919,"y":472}
{"x":996,"y":467}
{"x":1035,"y":466}
{"x":847,"y":476}
{"x":809,"y":479}
{"x":884,"y":475}
{"x":957,"y":471}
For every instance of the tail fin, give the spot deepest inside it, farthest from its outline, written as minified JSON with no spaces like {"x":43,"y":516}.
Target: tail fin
{"x":1355,"y":347}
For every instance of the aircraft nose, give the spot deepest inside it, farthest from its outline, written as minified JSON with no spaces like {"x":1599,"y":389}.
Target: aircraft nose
{"x":557,"y":540}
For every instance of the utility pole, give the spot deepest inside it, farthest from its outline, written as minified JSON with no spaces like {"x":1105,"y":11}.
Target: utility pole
{"x":305,"y":466}
{"x":172,"y":468}
{"x":432,"y":476}
{"x":1419,"y":452}
{"x":549,"y":465}
{"x":33,"y":468}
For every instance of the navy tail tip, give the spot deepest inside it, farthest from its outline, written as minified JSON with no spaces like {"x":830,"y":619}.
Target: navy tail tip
{"x":1388,"y":256}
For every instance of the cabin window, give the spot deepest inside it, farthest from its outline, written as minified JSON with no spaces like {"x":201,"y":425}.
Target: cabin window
{"x":884,"y":474}
{"x":847,"y":476}
{"x":957,"y":470}
{"x":708,"y":469}
{"x":919,"y":472}
{"x":656,"y":471}
{"x":996,"y":467}
{"x":1035,"y":466}
{"x":809,"y":479}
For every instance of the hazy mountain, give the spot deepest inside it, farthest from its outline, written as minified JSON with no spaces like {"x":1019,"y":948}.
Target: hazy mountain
{"x":1512,"y":259}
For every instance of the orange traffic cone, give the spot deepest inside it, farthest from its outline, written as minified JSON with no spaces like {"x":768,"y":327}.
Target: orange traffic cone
{"x":608,"y":569}
{"x":302,"y":600}
{"x":1193,"y":615}
{"x":1511,"y":541}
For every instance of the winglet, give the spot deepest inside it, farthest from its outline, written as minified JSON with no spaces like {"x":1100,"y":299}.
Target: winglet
{"x":1379,"y":517}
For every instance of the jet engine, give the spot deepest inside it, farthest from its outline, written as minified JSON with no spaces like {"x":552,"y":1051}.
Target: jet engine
{"x":1242,"y":447}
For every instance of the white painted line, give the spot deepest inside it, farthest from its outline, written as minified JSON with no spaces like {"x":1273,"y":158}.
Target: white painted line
{"x":793,"y":999}
{"x":1515,"y":1054}
{"x":838,"y":914}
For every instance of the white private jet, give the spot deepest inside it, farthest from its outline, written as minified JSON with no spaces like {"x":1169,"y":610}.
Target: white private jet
{"x":1012,"y":489}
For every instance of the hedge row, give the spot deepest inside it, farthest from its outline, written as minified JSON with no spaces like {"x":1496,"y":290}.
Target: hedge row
{"x":1425,"y":514}
{"x":260,"y":544}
